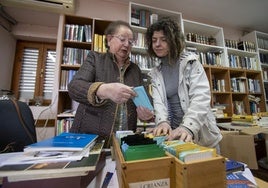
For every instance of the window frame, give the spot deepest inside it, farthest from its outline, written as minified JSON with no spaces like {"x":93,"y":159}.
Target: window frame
{"x":40,"y":72}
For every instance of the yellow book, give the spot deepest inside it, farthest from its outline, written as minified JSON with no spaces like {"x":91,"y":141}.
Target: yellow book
{"x":244,"y":118}
{"x":99,"y":43}
{"x":96,"y":42}
{"x":103,"y":44}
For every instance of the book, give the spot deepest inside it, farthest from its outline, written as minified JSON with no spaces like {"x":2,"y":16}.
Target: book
{"x":64,"y":142}
{"x":142,"y":98}
{"x":239,"y":180}
{"x":234,"y":166}
{"x":34,"y":171}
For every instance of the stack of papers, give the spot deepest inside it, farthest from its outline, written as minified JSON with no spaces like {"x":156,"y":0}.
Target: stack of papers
{"x":65,"y":155}
{"x":64,"y":147}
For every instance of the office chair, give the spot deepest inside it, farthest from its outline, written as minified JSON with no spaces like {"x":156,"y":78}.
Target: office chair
{"x":17,"y":127}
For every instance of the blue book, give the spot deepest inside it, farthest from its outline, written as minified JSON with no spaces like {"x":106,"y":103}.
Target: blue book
{"x":64,"y":142}
{"x":142,"y":98}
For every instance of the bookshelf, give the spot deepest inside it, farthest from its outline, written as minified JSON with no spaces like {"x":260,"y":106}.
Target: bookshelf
{"x":78,"y":35}
{"x":261,"y":41}
{"x":232,"y":66}
{"x":221,"y":59}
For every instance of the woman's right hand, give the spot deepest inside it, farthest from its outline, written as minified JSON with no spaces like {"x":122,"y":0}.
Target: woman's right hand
{"x":162,"y":129}
{"x":117,"y":92}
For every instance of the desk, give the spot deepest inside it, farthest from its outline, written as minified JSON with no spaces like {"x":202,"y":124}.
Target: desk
{"x":261,"y":183}
{"x":63,"y":182}
{"x":75,"y":182}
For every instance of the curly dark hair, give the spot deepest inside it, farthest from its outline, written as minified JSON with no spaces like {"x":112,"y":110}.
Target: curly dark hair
{"x":173,"y":34}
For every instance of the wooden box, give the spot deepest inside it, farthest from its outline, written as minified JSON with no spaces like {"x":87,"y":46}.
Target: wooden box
{"x":169,"y":172}
{"x":144,"y":173}
{"x":200,"y":174}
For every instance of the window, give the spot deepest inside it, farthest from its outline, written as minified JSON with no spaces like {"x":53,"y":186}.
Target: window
{"x":33,"y":72}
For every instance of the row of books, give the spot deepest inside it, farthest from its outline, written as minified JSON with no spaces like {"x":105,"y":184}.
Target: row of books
{"x":99,"y":43}
{"x":65,"y":78}
{"x":188,"y":151}
{"x":74,"y":56}
{"x":237,"y":61}
{"x":142,"y":60}
{"x":246,"y":46}
{"x":264,"y":58}
{"x":265,"y":74}
{"x":64,"y":125}
{"x":142,"y":18}
{"x":139,"y":40}
{"x":254,"y":85}
{"x":239,"y":107}
{"x":218,"y":85}
{"x":231,"y":43}
{"x":193,"y":37}
{"x":257,"y":118}
{"x":238,"y":84}
{"x":262,"y":43}
{"x":210,"y":58}
{"x":79,"y":33}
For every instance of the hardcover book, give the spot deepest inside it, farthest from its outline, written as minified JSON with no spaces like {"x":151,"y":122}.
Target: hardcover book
{"x":64,"y":142}
{"x":142,"y":98}
{"x":33,"y":171}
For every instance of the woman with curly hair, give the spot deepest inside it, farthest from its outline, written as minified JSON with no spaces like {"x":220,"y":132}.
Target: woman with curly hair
{"x":180,"y":88}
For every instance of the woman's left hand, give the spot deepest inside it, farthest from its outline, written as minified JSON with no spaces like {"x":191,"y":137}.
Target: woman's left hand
{"x":144,"y":114}
{"x":180,"y":134}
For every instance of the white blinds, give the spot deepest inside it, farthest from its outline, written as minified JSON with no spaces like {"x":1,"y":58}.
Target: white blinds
{"x":49,"y":74}
{"x":28,"y":73}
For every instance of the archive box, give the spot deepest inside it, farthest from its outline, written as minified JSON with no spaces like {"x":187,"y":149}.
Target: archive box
{"x":169,"y":171}
{"x":144,"y":173}
{"x":200,"y":174}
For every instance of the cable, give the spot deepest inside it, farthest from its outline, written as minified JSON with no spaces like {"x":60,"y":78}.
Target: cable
{"x":51,"y":113}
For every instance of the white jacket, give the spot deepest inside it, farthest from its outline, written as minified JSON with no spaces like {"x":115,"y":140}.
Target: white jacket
{"x":195,"y":96}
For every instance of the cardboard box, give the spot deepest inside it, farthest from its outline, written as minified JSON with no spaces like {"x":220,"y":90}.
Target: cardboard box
{"x":242,"y":146}
{"x":169,"y":170}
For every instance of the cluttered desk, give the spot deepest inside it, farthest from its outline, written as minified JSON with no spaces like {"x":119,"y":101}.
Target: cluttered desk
{"x":110,"y":173}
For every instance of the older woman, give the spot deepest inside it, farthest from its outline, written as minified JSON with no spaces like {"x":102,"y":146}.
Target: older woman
{"x":103,"y":86}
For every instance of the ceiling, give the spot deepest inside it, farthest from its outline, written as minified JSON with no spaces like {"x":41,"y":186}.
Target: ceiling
{"x":246,"y":15}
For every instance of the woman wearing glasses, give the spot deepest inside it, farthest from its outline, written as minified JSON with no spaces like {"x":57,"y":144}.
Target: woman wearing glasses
{"x":103,"y":87}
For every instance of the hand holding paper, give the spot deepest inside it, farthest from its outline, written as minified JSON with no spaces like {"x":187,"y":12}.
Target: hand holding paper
{"x":142,"y":98}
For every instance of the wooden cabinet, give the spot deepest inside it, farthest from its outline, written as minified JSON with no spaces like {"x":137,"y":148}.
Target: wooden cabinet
{"x":78,"y":37}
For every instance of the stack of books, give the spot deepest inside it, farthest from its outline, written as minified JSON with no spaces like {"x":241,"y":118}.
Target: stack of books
{"x":68,"y":154}
{"x":238,"y":175}
{"x":244,"y":120}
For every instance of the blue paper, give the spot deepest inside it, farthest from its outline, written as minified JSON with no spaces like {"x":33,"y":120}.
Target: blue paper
{"x":142,"y":99}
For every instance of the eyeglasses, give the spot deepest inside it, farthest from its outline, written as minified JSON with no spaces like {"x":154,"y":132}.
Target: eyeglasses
{"x":123,"y":39}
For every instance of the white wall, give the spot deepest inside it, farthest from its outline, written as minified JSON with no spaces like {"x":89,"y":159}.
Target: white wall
{"x":102,"y":9}
{"x":7,"y":52}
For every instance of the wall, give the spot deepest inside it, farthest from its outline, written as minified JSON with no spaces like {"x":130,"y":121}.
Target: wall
{"x":7,"y":51}
{"x":102,"y":9}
